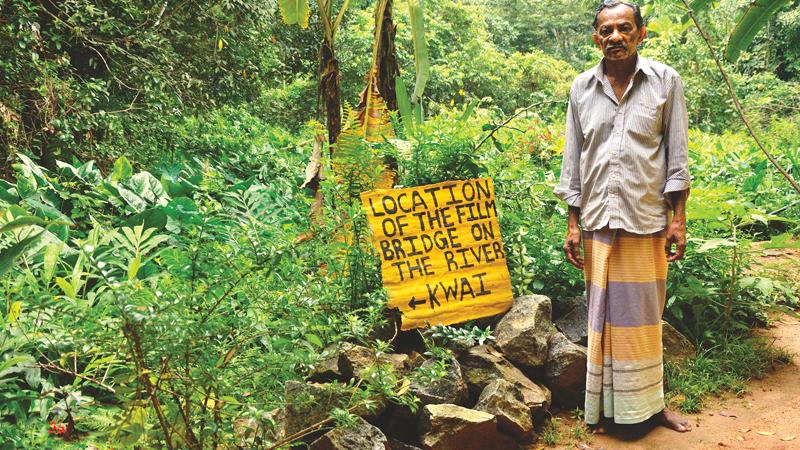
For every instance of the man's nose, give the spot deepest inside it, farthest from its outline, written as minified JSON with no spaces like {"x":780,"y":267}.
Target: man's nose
{"x":616,"y":36}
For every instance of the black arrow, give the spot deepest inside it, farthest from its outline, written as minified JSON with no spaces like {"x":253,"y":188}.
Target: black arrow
{"x":414,"y":302}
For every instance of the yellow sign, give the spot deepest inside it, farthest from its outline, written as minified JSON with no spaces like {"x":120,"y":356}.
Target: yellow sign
{"x":442,"y":259}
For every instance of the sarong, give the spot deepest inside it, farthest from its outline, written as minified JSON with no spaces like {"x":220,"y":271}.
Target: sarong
{"x":626,"y":289}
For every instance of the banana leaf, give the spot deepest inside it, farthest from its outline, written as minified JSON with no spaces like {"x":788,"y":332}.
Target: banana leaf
{"x":295,"y":12}
{"x":748,"y":25}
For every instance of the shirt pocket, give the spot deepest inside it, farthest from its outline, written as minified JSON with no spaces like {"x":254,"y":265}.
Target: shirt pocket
{"x":645,"y":121}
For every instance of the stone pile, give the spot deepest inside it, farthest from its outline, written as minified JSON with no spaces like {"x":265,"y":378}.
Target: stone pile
{"x":490,"y":397}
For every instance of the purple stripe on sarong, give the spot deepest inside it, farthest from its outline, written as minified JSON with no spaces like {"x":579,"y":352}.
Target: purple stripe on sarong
{"x":636,"y":304}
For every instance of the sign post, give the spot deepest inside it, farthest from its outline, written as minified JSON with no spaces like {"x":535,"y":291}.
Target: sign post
{"x":442,"y":258}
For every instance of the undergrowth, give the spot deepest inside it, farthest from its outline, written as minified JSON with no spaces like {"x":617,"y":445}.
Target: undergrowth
{"x":723,"y":368}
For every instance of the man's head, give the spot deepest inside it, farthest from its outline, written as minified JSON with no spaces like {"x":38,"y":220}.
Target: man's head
{"x":618,"y":29}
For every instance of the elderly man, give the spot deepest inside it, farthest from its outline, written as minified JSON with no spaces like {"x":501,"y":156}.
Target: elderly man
{"x":625,"y":177}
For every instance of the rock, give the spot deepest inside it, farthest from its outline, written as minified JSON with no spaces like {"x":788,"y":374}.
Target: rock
{"x":563,"y":305}
{"x":482,"y":365}
{"x":415,"y":359}
{"x":506,"y":402}
{"x":361,"y":436}
{"x":249,"y":431}
{"x":327,"y":369}
{"x":354,"y":359}
{"x":309,"y":403}
{"x":274,"y":427}
{"x":451,"y":388}
{"x":523,"y":332}
{"x":565,"y":371}
{"x":452,"y":427}
{"x":574,"y":324}
{"x":399,"y":361}
{"x":676,"y":346}
{"x":398,"y":421}
{"x":396,"y":444}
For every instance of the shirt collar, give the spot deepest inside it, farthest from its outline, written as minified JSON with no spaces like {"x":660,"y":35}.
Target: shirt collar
{"x":642,"y":64}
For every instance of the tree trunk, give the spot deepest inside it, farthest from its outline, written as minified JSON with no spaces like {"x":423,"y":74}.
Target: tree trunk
{"x":329,"y":88}
{"x":388,"y":68}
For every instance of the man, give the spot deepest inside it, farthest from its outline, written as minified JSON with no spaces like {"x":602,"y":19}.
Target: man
{"x":625,"y":177}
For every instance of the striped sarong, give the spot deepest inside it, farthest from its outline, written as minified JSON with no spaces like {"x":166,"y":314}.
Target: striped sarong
{"x":626,"y":288}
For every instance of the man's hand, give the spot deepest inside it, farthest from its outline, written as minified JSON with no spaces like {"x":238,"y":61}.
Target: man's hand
{"x":572,"y":247}
{"x":572,"y":244}
{"x":676,"y":235}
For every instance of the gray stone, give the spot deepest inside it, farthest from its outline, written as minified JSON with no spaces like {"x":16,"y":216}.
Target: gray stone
{"x":452,"y":427}
{"x":523,"y":332}
{"x":565,"y":371}
{"x":482,"y":365}
{"x":676,"y":346}
{"x":506,"y":402}
{"x":563,"y":305}
{"x":361,"y":436}
{"x":308,"y":403}
{"x":327,"y":369}
{"x":250,"y":431}
{"x":574,"y":324}
{"x":355,"y":359}
{"x":451,"y":388}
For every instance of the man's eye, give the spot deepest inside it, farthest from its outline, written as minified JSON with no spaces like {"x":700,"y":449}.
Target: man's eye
{"x":605,"y":32}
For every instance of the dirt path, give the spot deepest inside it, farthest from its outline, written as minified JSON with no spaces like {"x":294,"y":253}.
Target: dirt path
{"x":766,"y":418}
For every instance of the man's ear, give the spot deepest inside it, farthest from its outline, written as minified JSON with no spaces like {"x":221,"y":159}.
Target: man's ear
{"x":642,"y":33}
{"x":597,"y":41}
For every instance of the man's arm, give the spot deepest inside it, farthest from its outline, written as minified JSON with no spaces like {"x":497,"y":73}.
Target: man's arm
{"x":569,"y":187}
{"x":572,"y":244}
{"x":676,"y":230}
{"x":676,"y":189}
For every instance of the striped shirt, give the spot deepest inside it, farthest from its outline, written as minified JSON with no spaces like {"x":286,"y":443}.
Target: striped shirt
{"x":620,"y":158}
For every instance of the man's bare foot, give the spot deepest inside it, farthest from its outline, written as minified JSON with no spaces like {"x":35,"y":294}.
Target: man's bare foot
{"x":600,"y":427}
{"x":672,"y":420}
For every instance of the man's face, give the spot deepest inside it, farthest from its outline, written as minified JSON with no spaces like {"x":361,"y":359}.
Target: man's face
{"x":616,"y":34}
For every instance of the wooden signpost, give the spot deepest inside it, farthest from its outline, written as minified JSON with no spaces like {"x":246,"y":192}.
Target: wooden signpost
{"x":442,"y":258}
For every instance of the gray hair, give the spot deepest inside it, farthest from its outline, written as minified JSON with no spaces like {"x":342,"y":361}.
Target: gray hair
{"x":608,"y":4}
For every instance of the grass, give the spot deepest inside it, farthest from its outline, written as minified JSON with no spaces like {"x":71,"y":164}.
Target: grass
{"x":551,"y":433}
{"x":725,"y":367}
{"x":555,"y":432}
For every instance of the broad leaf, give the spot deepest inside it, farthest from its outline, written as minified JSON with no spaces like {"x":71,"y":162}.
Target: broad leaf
{"x":421,"y":60}
{"x":122,"y":169}
{"x":21,"y":222}
{"x":295,"y":12}
{"x":748,"y":25}
{"x":404,"y":105}
{"x":10,"y":254}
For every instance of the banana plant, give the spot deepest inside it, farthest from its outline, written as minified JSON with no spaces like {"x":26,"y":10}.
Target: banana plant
{"x":297,"y":12}
{"x":751,"y":20}
{"x":749,"y":23}
{"x":410,"y":108}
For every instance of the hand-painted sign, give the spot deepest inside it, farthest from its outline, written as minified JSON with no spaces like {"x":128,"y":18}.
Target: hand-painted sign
{"x":442,"y":259}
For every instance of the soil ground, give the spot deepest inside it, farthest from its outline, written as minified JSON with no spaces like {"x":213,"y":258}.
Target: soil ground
{"x":765,"y":418}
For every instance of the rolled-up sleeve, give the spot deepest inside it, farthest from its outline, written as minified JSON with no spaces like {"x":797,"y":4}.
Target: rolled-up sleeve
{"x":569,"y":186}
{"x":676,"y":137}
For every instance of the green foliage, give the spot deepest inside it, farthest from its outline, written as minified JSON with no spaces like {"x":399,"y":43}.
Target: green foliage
{"x":551,"y":433}
{"x":295,"y":12}
{"x":155,"y":243}
{"x":726,"y":367}
{"x":461,"y":336}
{"x":749,"y":23}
